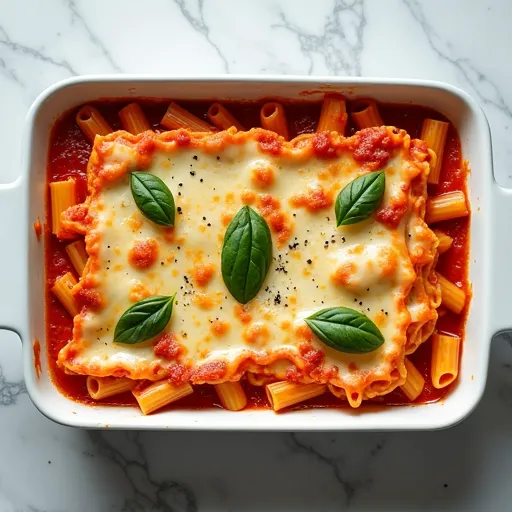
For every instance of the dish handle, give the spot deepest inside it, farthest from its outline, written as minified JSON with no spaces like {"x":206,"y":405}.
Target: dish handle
{"x":501,"y":260}
{"x":13,"y":254}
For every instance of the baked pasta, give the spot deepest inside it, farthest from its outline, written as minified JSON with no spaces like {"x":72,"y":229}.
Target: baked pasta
{"x":225,"y":257}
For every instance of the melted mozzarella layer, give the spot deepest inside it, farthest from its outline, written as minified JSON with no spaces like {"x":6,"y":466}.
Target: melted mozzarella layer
{"x":365,"y":266}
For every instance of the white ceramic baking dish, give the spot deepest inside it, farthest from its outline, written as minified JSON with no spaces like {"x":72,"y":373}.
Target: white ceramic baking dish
{"x":21,"y":260}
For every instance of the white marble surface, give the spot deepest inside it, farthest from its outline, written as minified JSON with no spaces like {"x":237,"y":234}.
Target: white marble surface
{"x":47,"y":467}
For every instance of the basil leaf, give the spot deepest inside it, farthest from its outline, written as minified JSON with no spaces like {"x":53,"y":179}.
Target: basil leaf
{"x":346,"y":330}
{"x":246,"y":254}
{"x":153,"y":198}
{"x":144,"y":320}
{"x":360,"y":198}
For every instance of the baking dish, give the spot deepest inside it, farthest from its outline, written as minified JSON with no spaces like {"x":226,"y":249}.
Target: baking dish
{"x":23,"y":292}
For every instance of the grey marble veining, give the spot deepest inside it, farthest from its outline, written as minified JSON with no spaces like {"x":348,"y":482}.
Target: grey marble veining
{"x":48,"y":467}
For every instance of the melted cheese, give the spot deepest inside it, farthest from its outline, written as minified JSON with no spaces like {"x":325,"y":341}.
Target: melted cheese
{"x":367,"y":266}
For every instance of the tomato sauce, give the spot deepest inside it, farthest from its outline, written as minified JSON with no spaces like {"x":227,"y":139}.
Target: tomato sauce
{"x":68,"y":156}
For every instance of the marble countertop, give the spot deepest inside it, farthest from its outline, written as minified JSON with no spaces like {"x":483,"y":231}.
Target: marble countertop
{"x":48,"y":467}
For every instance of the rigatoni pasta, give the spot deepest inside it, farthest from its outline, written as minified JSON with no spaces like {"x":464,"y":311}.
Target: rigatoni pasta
{"x":333,"y":116}
{"x":105,"y":387}
{"x":78,"y":255}
{"x":453,"y":297}
{"x":92,"y":123}
{"x":159,"y":394}
{"x":63,"y":196}
{"x":231,"y":395}
{"x":285,"y":394}
{"x":62,"y":289}
{"x":222,"y":118}
{"x":273,"y":118}
{"x":434,"y":134}
{"x":445,"y":241}
{"x":133,"y":119}
{"x":365,"y":113}
{"x":445,"y":359}
{"x":177,"y":117}
{"x":414,"y":383}
{"x":451,"y":205}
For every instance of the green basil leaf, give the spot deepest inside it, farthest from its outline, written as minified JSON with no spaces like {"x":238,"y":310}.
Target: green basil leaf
{"x":346,"y":330}
{"x":144,"y":320}
{"x":246,"y":254}
{"x":153,"y":198}
{"x":360,"y":198}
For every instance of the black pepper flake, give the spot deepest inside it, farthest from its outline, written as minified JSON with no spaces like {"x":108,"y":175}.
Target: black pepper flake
{"x":277,"y":299}
{"x":179,"y":193}
{"x":204,"y":218}
{"x":360,"y":302}
{"x":286,"y":305}
{"x":195,"y":157}
{"x":178,"y":247}
{"x":186,"y":279}
{"x":386,"y":313}
{"x":161,"y":263}
{"x":180,"y":184}
{"x":201,"y":180}
{"x":175,"y":260}
{"x":305,"y":243}
{"x":218,"y":158}
{"x":179,"y":210}
{"x":328,"y":219}
{"x":192,"y":173}
{"x":309,"y":262}
{"x":294,"y":214}
{"x":108,"y":246}
{"x":367,"y":289}
{"x":293,"y":246}
{"x":355,"y":300}
{"x":267,"y":288}
{"x":208,"y":224}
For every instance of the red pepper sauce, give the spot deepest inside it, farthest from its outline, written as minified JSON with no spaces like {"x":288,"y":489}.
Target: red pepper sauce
{"x":68,"y":156}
